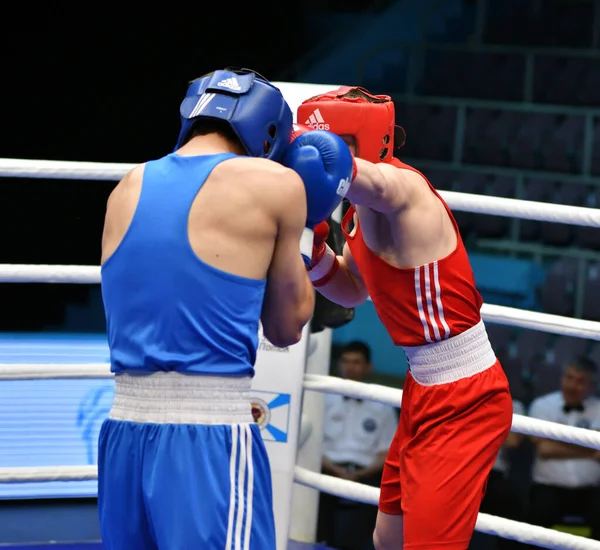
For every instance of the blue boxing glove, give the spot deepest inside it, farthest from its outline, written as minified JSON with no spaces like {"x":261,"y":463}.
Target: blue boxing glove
{"x":327,"y":168}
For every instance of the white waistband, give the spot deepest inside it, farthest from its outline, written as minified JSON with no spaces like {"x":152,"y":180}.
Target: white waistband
{"x":175,"y":398}
{"x":461,"y":356}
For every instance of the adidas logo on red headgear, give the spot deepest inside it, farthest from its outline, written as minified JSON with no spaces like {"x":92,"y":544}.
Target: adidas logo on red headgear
{"x":316,"y":121}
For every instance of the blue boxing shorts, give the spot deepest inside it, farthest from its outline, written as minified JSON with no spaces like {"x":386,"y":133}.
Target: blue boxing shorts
{"x":181,"y":464}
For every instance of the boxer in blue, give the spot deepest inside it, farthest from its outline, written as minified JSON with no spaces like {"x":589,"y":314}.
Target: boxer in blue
{"x":198,"y":247}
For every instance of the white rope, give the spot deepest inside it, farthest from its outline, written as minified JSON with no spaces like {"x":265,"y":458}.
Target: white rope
{"x":465,"y":202}
{"x":545,"y":322}
{"x":517,"y":208}
{"x":53,"y":371}
{"x":64,"y":170}
{"x":313,"y":382}
{"x":69,"y":274}
{"x":530,"y":534}
{"x":392,"y":396}
{"x":32,"y":474}
{"x":87,"y":274}
{"x":545,"y":538}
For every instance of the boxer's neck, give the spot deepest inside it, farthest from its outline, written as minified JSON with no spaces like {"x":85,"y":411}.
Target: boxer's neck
{"x":210,"y":144}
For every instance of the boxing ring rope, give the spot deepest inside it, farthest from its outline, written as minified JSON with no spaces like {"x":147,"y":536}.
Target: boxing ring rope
{"x":464,"y":202}
{"x":88,"y":274}
{"x":313,"y":382}
{"x":492,"y":525}
{"x":522,"y":532}
{"x":73,"y":274}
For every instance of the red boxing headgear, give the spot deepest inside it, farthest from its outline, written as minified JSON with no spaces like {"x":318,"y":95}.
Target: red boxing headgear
{"x":367,"y":117}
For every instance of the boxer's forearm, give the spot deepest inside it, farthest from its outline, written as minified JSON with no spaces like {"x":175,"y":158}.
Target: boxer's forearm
{"x":344,"y":288}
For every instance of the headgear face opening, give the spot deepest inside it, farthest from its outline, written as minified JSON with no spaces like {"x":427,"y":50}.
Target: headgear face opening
{"x":368,"y":118}
{"x":250,"y":104}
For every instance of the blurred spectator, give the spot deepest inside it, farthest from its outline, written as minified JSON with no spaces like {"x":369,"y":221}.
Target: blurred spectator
{"x":500,"y":499}
{"x":566,"y":478}
{"x":357,"y":435}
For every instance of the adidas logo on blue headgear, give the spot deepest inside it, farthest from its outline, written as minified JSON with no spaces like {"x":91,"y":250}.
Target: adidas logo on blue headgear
{"x":253,"y":107}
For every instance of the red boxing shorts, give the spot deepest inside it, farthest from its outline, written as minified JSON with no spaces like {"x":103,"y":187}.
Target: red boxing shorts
{"x":445,"y":446}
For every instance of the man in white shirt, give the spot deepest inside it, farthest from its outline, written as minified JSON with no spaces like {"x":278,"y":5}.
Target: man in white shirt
{"x":566,"y":478}
{"x":357,"y":435}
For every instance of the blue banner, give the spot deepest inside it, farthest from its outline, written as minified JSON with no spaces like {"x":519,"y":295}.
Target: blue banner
{"x":51,"y":423}
{"x":57,"y":422}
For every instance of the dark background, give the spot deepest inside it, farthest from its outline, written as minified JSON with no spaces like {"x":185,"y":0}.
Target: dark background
{"x":104,"y":84}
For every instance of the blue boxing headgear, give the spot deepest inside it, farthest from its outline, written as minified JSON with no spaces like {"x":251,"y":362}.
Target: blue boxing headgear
{"x":252,"y":106}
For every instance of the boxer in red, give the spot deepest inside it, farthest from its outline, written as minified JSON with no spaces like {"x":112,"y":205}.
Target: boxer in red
{"x":403,"y":248}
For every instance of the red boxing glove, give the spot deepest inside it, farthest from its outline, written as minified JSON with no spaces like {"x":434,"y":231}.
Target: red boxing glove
{"x":324,"y":264}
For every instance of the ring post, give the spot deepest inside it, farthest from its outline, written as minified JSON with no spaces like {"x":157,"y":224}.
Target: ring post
{"x":276,"y":405}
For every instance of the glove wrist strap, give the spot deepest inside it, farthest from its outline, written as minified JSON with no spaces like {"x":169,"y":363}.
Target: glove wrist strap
{"x":325,"y":268}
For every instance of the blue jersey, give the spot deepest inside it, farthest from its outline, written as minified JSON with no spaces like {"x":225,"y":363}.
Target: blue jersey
{"x":166,"y":309}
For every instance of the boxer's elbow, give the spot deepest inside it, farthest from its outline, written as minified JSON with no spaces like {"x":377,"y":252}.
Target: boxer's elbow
{"x":281,"y":339}
{"x":284,"y":333}
{"x":284,"y":319}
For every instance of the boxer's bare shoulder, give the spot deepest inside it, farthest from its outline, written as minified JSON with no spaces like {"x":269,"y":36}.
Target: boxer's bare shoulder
{"x":245,"y":206}
{"x":239,"y":194}
{"x":120,"y":209}
{"x":403,"y":221}
{"x":246,"y":192}
{"x":261,"y":176}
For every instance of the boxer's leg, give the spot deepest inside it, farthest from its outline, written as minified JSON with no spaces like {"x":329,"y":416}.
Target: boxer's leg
{"x":121,"y":508}
{"x":389,"y":528}
{"x":446,"y":463}
{"x":389,"y":531}
{"x":209,"y":487}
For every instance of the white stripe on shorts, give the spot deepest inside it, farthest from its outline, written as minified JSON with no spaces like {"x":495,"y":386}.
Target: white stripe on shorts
{"x":240,"y":493}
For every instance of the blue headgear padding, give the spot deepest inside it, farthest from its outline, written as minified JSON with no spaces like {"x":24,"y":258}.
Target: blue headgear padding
{"x":252,"y":106}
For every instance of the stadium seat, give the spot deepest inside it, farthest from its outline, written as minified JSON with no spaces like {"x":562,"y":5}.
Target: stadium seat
{"x":496,"y":227}
{"x":443,"y":73}
{"x":501,"y":337}
{"x":587,"y":92}
{"x":556,"y":79}
{"x":560,"y":234}
{"x":430,"y":131}
{"x":566,"y":349}
{"x":557,"y":294}
{"x":564,"y":145}
{"x":442,"y":180}
{"x":468,"y":182}
{"x":591,"y":303}
{"x":589,"y":237}
{"x":530,"y":348}
{"x":527,"y":145}
{"x":498,"y":136}
{"x":535,"y":190}
{"x":595,"y":168}
{"x":477,"y":120}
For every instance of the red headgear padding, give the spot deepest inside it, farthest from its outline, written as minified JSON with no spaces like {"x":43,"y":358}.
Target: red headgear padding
{"x":370,"y":121}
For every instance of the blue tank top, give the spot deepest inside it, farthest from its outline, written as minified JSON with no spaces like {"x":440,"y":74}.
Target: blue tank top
{"x":167,"y":310}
